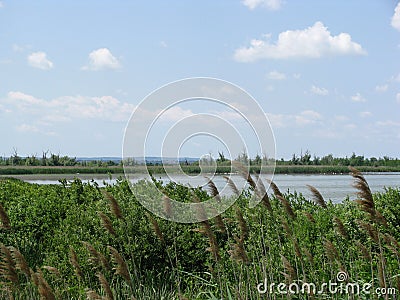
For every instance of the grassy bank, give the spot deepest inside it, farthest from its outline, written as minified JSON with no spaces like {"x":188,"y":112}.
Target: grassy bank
{"x":280,"y":169}
{"x":70,"y":241}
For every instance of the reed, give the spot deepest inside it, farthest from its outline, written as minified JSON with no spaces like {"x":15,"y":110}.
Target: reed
{"x":7,"y":265}
{"x":96,"y":258}
{"x":106,"y":222}
{"x":20,"y":262}
{"x":318,"y":199}
{"x":106,"y":286}
{"x":121,"y":267}
{"x":73,"y":258}
{"x":114,"y":206}
{"x":5,"y":221}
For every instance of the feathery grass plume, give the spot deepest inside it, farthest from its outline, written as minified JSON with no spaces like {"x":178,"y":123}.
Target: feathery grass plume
{"x":286,"y":226}
{"x":263,"y":193}
{"x":287,"y":206}
{"x":297,"y":250}
{"x":156,"y":227}
{"x":7,"y":265}
{"x":364,"y":251}
{"x":391,"y":240}
{"x":213,"y":189}
{"x":381,"y":276}
{"x":318,"y":199}
{"x":5,"y":221}
{"x":340,"y":228}
{"x":220,"y":224}
{"x":121,"y":266}
{"x":391,"y":246}
{"x":92,"y":295}
{"x":106,"y":286}
{"x":244,"y":172}
{"x":73,"y":258}
{"x":244,"y":231}
{"x":167,"y":206}
{"x":275,"y":188}
{"x":96,"y":258}
{"x":309,"y":216}
{"x":44,"y":288}
{"x":238,"y":252}
{"x":232,"y":185}
{"x":106,"y":222}
{"x":182,"y":297}
{"x":290,"y":273}
{"x":207,"y":231}
{"x":114,"y":206}
{"x":52,"y":270}
{"x":330,"y":251}
{"x":370,"y":230}
{"x":309,"y":256}
{"x":20,"y":262}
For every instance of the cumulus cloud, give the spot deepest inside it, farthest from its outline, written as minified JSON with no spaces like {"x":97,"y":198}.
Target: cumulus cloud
{"x":398,"y":97}
{"x":381,"y":88}
{"x":358,"y":98}
{"x":102,"y":59}
{"x":365,"y":114}
{"x":269,"y":4}
{"x":308,"y":117}
{"x":275,"y":75}
{"x":319,"y":91}
{"x":396,"y":17}
{"x":66,"y":108}
{"x":39,"y":60}
{"x":313,"y":42}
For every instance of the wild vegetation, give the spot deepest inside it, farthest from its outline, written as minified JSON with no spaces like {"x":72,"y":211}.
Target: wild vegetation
{"x":75,"y":240}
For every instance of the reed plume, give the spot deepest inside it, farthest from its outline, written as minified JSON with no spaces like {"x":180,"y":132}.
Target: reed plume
{"x":372,"y":232}
{"x":73,"y":258}
{"x":275,"y":188}
{"x":290,"y":272}
{"x":213,"y":189}
{"x":244,"y":231}
{"x":121,"y":266}
{"x":7,"y":265}
{"x":340,"y":228}
{"x":156,"y":227}
{"x":92,"y":295}
{"x":213,"y":245}
{"x":5,"y":221}
{"x":114,"y":206}
{"x":44,"y":288}
{"x":106,"y":287}
{"x":263,"y":193}
{"x":238,"y":251}
{"x":167,"y":206}
{"x":20,"y":262}
{"x":309,"y":216}
{"x":107,"y":224}
{"x":52,"y":270}
{"x":232,"y":185}
{"x":331,"y":251}
{"x":96,"y":258}
{"x":220,"y":224}
{"x":364,"y":251}
{"x":318,"y":199}
{"x":287,"y":206}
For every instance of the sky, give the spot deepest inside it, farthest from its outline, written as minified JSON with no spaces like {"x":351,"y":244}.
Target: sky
{"x":326,"y":73}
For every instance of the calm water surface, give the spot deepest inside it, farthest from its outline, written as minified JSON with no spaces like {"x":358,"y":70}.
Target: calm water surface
{"x":333,"y":187}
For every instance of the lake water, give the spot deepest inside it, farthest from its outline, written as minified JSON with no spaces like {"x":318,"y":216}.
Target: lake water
{"x":334,"y":187}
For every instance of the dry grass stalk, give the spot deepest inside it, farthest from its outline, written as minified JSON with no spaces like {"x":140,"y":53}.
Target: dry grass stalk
{"x":232,"y":185}
{"x":107,"y":224}
{"x":309,"y":256}
{"x":275,"y":188}
{"x":244,"y":231}
{"x":364,"y":251}
{"x":297,"y":250}
{"x":96,"y":258}
{"x":238,"y":251}
{"x":220,"y":224}
{"x":318,"y":199}
{"x":7,"y":265}
{"x":106,"y":287}
{"x":5,"y":221}
{"x":286,"y":226}
{"x":309,"y":217}
{"x":20,"y":262}
{"x":206,"y":230}
{"x":213,"y":189}
{"x":44,"y":288}
{"x":290,"y":273}
{"x":167,"y":206}
{"x":92,"y":295}
{"x":73,"y":258}
{"x":340,"y":228}
{"x":287,"y":206}
{"x":156,"y":227}
{"x":331,"y":251}
{"x":114,"y":206}
{"x":263,"y":193}
{"x":121,"y":266}
{"x":370,"y":230}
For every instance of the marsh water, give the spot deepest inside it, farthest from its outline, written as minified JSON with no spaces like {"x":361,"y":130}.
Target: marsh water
{"x":333,"y":187}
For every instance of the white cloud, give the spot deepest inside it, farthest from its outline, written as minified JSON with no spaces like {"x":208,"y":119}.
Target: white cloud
{"x":275,"y":75}
{"x":358,"y":98}
{"x":396,"y":17}
{"x":381,"y":88}
{"x":66,"y":108}
{"x":1,"y":4}
{"x":163,"y":44}
{"x":398,"y":97}
{"x":319,"y":91}
{"x":102,"y":59}
{"x":269,"y":4}
{"x":365,"y":114}
{"x":396,"y":78}
{"x":27,"y":128}
{"x":39,"y":60}
{"x":313,"y":42}
{"x":296,"y":75}
{"x":308,"y":117}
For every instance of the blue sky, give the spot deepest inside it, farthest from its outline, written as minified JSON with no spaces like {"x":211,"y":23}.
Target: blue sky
{"x":327,"y":73}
